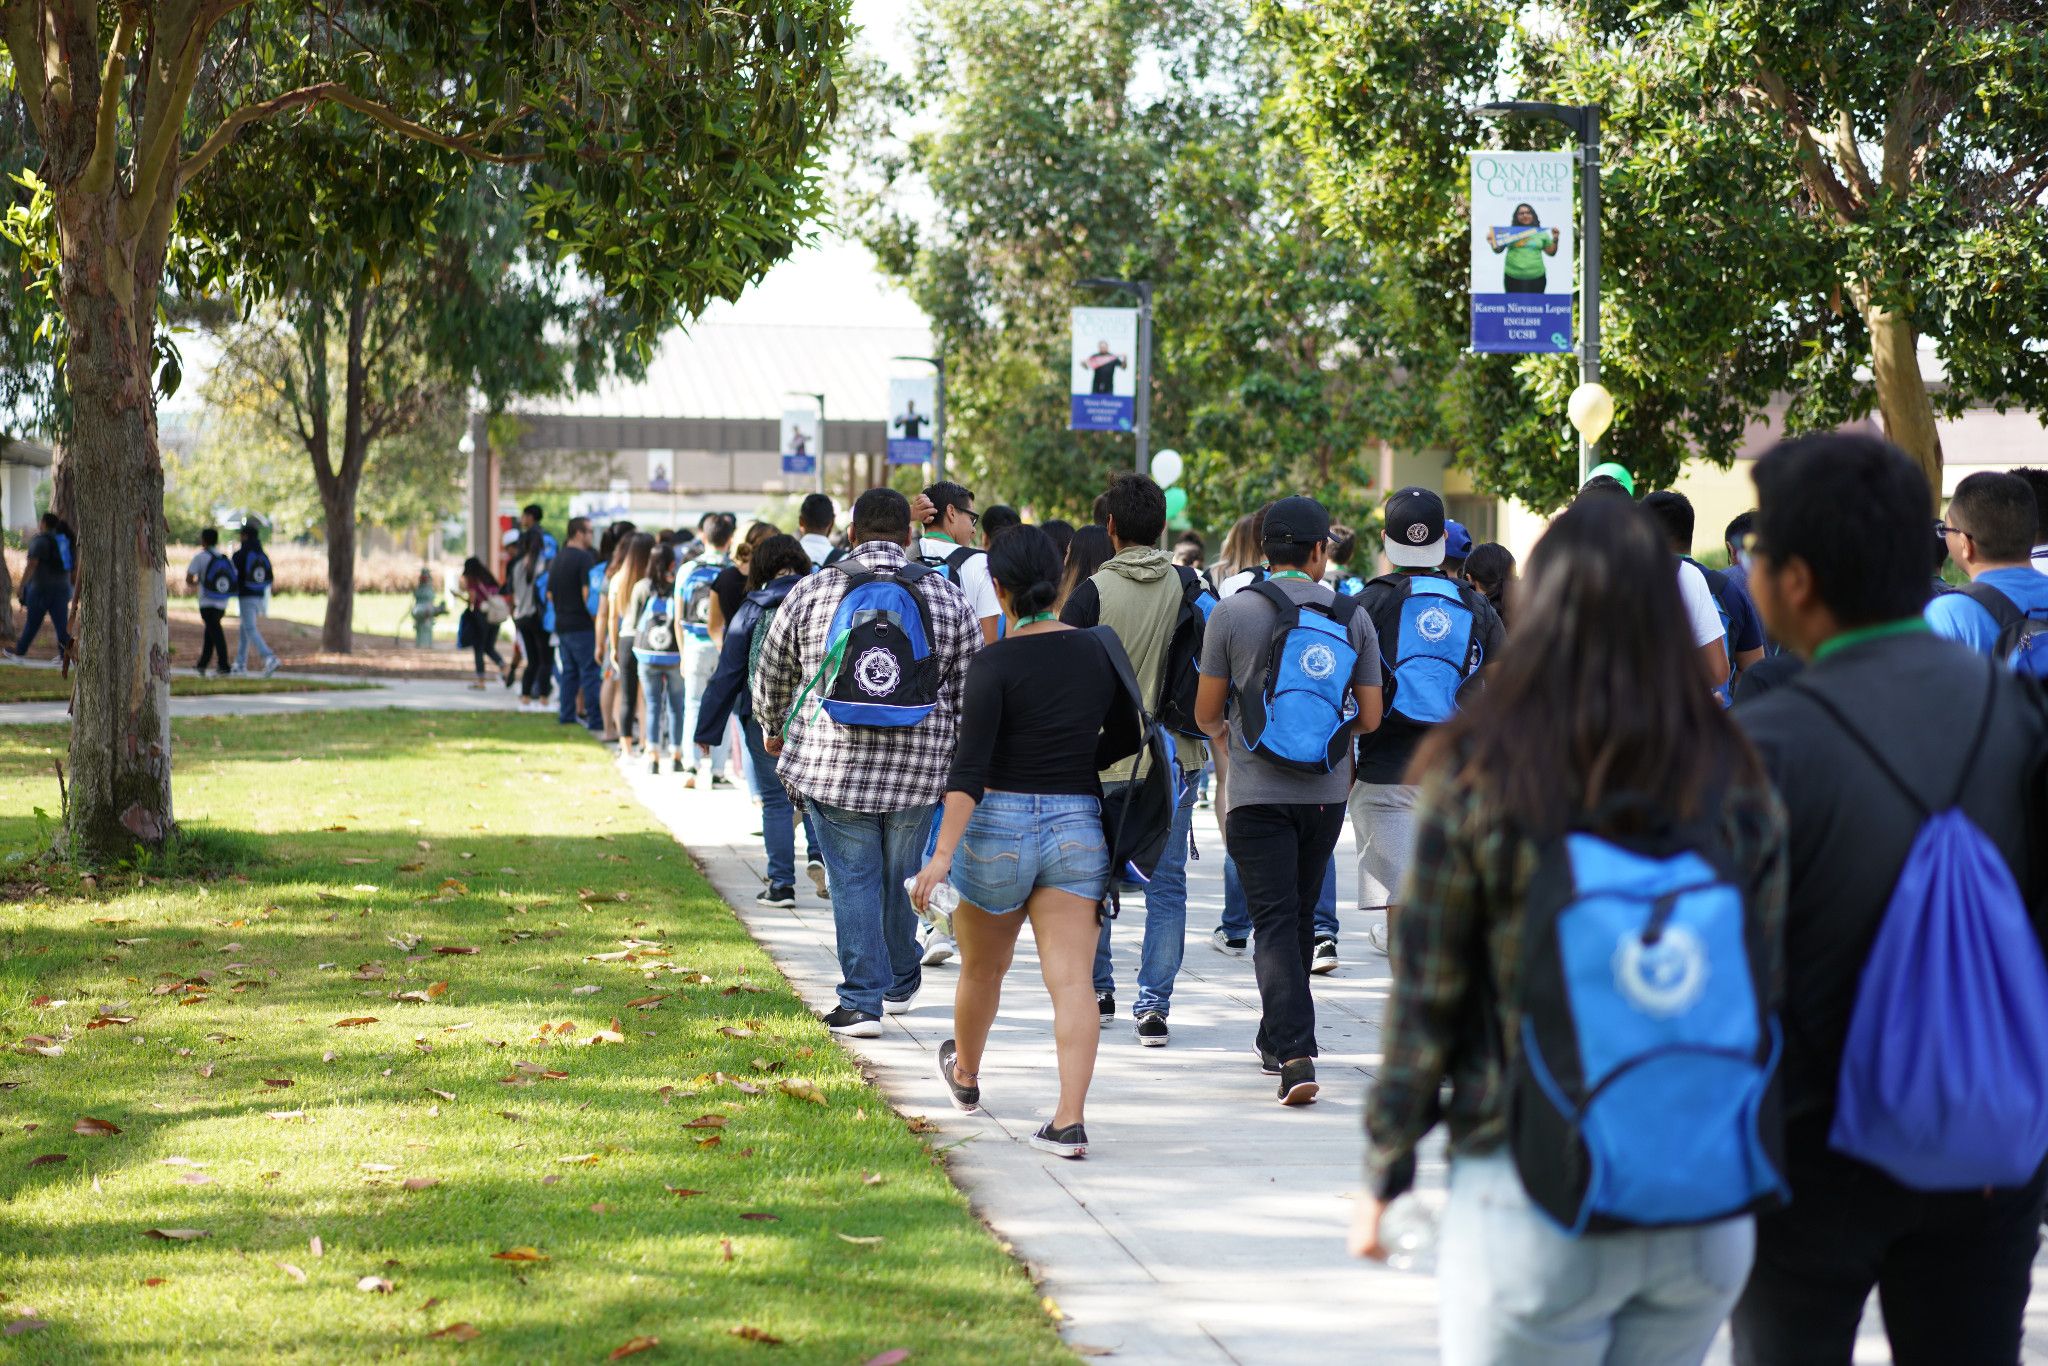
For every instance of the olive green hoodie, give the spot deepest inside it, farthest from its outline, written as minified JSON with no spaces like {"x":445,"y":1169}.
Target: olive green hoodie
{"x":1140,"y":597}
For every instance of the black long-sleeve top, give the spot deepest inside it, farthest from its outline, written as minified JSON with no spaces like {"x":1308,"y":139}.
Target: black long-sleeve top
{"x":1033,"y":716}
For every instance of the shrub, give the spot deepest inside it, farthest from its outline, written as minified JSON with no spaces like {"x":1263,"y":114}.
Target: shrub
{"x":303,"y":569}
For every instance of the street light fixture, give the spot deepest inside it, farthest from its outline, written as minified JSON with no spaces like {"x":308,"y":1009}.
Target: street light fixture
{"x":1584,"y":121}
{"x":818,"y":462}
{"x":1143,"y":289}
{"x":938,"y":364}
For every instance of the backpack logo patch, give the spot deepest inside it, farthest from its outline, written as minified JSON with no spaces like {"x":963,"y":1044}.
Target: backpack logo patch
{"x":1318,"y":661}
{"x":1433,"y":624}
{"x":1662,"y":977}
{"x":877,"y":672}
{"x":1418,"y":533}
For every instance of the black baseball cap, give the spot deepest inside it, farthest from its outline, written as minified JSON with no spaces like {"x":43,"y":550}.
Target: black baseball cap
{"x":1415,"y":529}
{"x":1296,"y":521}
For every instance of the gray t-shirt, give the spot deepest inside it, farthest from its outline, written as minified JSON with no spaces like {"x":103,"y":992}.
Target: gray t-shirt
{"x":1236,"y":644}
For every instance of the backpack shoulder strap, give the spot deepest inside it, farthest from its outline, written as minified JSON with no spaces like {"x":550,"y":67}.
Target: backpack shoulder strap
{"x":2003,"y":609}
{"x":1289,"y":609}
{"x":1834,"y":713}
{"x":959,"y":558}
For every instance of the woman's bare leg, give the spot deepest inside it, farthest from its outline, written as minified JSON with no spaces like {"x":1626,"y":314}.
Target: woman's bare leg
{"x":987,"y":943}
{"x":1066,"y":930}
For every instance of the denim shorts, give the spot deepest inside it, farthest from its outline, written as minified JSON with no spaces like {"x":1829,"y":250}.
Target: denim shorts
{"x":1017,"y":842}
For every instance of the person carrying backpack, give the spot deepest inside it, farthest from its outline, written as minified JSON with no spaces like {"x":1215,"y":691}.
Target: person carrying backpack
{"x":1914,"y":777}
{"x":652,"y":632}
{"x":1587,"y":953}
{"x":1742,"y":635}
{"x":253,"y":579}
{"x":1158,"y":613}
{"x":857,"y":691}
{"x":1304,"y":667}
{"x":697,"y":588}
{"x":1045,"y":708}
{"x":1435,"y":633}
{"x":2004,"y":611}
{"x":213,"y":575}
{"x":950,"y":528}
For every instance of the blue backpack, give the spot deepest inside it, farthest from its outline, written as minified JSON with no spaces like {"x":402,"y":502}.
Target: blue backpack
{"x":694,"y":592}
{"x":256,"y":573}
{"x":1300,"y":715}
{"x":654,"y":636}
{"x":593,"y":589}
{"x":2022,"y":638}
{"x":218,"y":580}
{"x":1638,"y":1097}
{"x":1434,"y":633}
{"x":1944,"y":1080}
{"x":879,"y":670}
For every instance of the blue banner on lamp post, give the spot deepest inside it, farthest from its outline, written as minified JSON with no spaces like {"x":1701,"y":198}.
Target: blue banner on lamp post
{"x":1522,"y":258}
{"x":913,"y":406}
{"x":1104,"y":380}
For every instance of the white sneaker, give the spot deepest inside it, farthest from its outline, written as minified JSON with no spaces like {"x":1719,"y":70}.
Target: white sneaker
{"x":899,"y":1007}
{"x":937,"y":947}
{"x":271,"y":668}
{"x":1376,"y":935}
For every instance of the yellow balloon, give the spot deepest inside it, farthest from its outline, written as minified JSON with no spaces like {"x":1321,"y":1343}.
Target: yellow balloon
{"x":1591,"y":409}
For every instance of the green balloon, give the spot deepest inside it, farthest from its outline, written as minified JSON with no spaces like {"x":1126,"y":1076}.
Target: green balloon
{"x":1176,"y":504}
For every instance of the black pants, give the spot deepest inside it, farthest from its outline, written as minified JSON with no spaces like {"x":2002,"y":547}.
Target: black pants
{"x":1952,"y":1271}
{"x":1535,"y":284}
{"x":629,"y":687}
{"x":214,"y":645}
{"x":1281,"y":852}
{"x":539,"y":678}
{"x":483,"y":640}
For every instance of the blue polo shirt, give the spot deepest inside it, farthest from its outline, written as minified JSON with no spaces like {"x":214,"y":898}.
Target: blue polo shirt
{"x":1959,"y":617}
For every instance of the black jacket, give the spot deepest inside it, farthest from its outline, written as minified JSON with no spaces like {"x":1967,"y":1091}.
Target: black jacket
{"x":1918,"y":701}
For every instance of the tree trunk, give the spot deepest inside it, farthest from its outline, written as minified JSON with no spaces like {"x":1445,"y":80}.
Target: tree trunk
{"x":120,"y":792}
{"x":338,"y":507}
{"x":1902,"y":391}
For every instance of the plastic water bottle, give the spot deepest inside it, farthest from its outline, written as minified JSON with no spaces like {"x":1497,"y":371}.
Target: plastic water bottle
{"x":704,"y":774}
{"x":1408,"y":1230}
{"x":938,"y":907}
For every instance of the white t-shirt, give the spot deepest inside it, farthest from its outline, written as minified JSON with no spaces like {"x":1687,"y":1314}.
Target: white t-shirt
{"x":1700,"y":611}
{"x":1242,"y":579}
{"x":2041,"y":558}
{"x":975,"y":580}
{"x":199,"y":563}
{"x":817,"y":547}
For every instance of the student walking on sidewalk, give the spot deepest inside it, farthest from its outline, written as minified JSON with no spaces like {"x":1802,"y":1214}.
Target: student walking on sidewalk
{"x":213,"y":575}
{"x":1589,"y":924}
{"x":1023,"y":825}
{"x":1305,"y":668}
{"x":253,"y":579}
{"x":861,"y":708}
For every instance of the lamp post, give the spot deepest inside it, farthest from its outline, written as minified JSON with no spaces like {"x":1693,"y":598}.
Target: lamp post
{"x":1584,"y":121}
{"x":819,"y":399}
{"x":1143,"y":289}
{"x":938,"y":364}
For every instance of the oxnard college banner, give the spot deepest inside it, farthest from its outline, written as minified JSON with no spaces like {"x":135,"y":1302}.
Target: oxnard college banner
{"x":1522,"y":260}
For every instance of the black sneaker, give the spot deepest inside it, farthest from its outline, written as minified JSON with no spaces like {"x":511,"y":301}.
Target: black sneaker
{"x":1105,"y":1005}
{"x":1152,"y":1031}
{"x":854,"y":1024}
{"x":781,"y":897}
{"x":654,"y":764}
{"x":966,"y":1099}
{"x":1325,"y":959}
{"x":1268,"y":1064}
{"x":1223,"y":943}
{"x":1071,"y":1141}
{"x":1298,"y":1082}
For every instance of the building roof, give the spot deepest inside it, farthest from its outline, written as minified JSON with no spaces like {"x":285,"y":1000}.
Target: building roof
{"x":18,"y":451}
{"x":745,"y":370}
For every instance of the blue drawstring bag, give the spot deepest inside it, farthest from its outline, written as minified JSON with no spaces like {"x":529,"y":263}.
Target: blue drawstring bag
{"x":1944,"y":1078}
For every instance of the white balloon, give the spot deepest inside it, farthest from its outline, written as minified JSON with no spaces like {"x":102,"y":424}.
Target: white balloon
{"x":1166,"y":469}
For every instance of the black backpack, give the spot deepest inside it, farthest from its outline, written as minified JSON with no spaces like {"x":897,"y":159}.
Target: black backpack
{"x":1137,"y":819}
{"x":2022,"y":644}
{"x":954,"y":564}
{"x":1180,"y":672}
{"x":256,"y":572}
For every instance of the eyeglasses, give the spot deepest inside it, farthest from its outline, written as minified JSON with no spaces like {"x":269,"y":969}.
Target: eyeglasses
{"x":973,"y":518}
{"x":1951,"y":529}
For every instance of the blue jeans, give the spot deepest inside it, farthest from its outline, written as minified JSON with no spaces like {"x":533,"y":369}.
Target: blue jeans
{"x":250,"y":632}
{"x":1512,"y":1287}
{"x":1237,"y":919}
{"x":580,"y":673}
{"x":1166,"y":915}
{"x":55,"y":604}
{"x":868,"y":855}
{"x":1018,"y":842}
{"x":662,"y":686}
{"x":778,"y":819}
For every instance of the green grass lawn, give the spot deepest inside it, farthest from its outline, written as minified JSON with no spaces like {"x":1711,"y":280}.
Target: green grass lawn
{"x":714,"y":1171}
{"x":49,"y":685}
{"x":378,"y":615}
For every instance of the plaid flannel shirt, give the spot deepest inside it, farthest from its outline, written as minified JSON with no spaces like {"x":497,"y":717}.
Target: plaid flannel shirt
{"x":1463,"y":895}
{"x":861,"y":768}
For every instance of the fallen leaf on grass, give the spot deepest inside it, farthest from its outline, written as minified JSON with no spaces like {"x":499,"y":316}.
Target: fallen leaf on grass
{"x":725,"y":1249}
{"x":420,"y":1183}
{"x":103,"y":1021}
{"x":206,"y":1069}
{"x":286,"y":1115}
{"x":582,"y":1159}
{"x":761,"y":1218}
{"x":154,"y":1281}
{"x":279,"y":1082}
{"x":1052,"y":1308}
{"x":747,"y":1332}
{"x":872,"y":1240}
{"x":318,"y":1248}
{"x":732,"y":1032}
{"x":648,"y":1002}
{"x":680,"y":1192}
{"x":35,"y":1325}
{"x":288,"y":1269}
{"x":871,"y":1178}
{"x":47,"y":1158}
{"x":918,"y":1124}
{"x":94,"y":1128}
{"x":445,"y":1095}
{"x":456,"y":948}
{"x":180,"y":1162}
{"x":584,"y":991}
{"x":412,"y":867}
{"x":379,"y":1167}
{"x":359,"y":860}
{"x":375,"y":1285}
{"x":612,"y":1035}
{"x":799,"y":1089}
{"x":895,"y":1356}
{"x":458,"y":1332}
{"x":707,"y":1122}
{"x":175,"y":1235}
{"x":352,"y":1021}
{"x":519,"y":1254}
{"x":711,"y":1142}
{"x":632,"y":1347}
{"x":196,"y":1179}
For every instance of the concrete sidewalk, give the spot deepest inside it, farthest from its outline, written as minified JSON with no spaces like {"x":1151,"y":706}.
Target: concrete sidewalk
{"x":406,"y":694}
{"x":1206,"y":1224}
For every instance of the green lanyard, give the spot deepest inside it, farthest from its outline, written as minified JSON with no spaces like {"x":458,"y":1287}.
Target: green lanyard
{"x":1035,"y":618}
{"x":1290,"y":574}
{"x":940,"y":536}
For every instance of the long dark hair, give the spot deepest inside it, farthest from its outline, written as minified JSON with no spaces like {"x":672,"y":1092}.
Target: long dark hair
{"x":473,"y":570}
{"x":1025,"y":565}
{"x":775,"y":556}
{"x":1599,"y":695}
{"x":1490,"y":568}
{"x":1090,"y":549}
